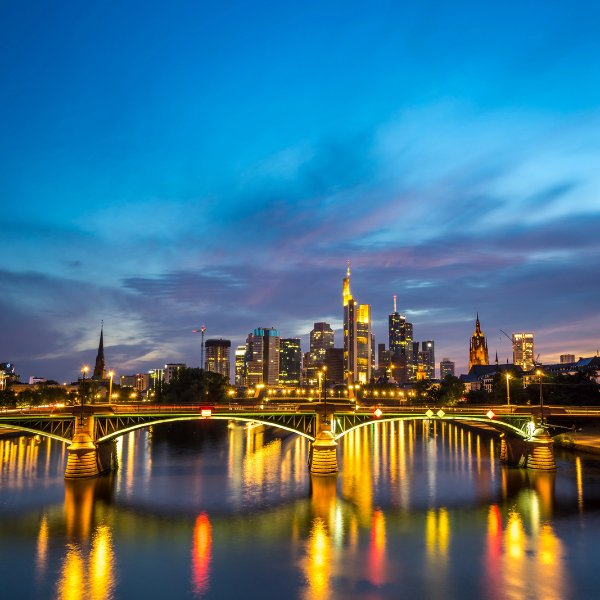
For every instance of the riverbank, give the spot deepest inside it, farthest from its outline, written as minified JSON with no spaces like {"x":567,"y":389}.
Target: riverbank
{"x":581,"y":441}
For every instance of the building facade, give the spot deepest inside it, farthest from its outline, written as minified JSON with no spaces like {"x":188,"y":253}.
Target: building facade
{"x":478,"y":350}
{"x":240,"y":366}
{"x":427,"y":359}
{"x":358,"y":354}
{"x":523,"y":350}
{"x":218,"y":357}
{"x":446,"y":368}
{"x":290,"y":361}
{"x":567,"y":358}
{"x":400,"y":334}
{"x":262,"y":356}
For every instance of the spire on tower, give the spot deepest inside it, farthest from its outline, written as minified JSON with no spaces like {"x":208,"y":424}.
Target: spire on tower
{"x":100,"y":366}
{"x":348,"y":270}
{"x":395,"y":304}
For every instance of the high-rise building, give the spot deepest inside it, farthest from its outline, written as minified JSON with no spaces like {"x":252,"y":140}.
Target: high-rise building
{"x":217,"y":357}
{"x":240,"y":365}
{"x":426,"y":360}
{"x":321,"y":339}
{"x":446,"y":368}
{"x":478,"y":350}
{"x":357,"y":336}
{"x":290,"y":361}
{"x":100,"y":366}
{"x":334,"y":361}
{"x":263,"y":353}
{"x":523,"y":354}
{"x":567,"y":358}
{"x":400,"y":333}
{"x":170,"y":371}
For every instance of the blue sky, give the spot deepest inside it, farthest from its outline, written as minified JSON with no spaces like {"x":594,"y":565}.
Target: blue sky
{"x":166,"y":165}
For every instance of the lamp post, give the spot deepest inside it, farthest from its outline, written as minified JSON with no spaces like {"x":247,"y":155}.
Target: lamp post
{"x":539,"y":373}
{"x":84,"y":371}
{"x":507,"y":389}
{"x":325,"y":390}
{"x":111,"y":374}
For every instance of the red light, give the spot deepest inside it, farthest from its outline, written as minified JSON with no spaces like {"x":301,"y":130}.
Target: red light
{"x":377,"y":413}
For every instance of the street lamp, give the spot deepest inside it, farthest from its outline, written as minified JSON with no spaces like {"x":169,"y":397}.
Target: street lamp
{"x":84,"y":371}
{"x":325,"y":390}
{"x":540,"y":373}
{"x":508,"y":389}
{"x":111,"y":374}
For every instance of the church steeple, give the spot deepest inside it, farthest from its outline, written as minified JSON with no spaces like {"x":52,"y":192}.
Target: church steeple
{"x":478,"y":350}
{"x":100,"y":366}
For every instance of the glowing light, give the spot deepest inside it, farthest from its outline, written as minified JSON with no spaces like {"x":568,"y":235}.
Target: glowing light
{"x":490,"y":414}
{"x":206,"y":412}
{"x":377,"y":413}
{"x":318,"y":564}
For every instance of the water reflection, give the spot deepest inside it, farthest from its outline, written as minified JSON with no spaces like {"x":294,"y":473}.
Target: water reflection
{"x":411,"y":498}
{"x":201,"y":555}
{"x":89,"y":565}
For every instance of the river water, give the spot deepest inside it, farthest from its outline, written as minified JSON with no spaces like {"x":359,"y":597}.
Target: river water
{"x":216,"y":511}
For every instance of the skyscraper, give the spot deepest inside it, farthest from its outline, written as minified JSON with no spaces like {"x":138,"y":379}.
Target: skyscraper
{"x":321,"y":338}
{"x":263,"y":354}
{"x":400,"y":333}
{"x":427,"y":358}
{"x":357,"y":336}
{"x":523,"y":354}
{"x":478,"y":350}
{"x":240,"y":365}
{"x":446,"y":368}
{"x":290,"y":361}
{"x":218,"y":357}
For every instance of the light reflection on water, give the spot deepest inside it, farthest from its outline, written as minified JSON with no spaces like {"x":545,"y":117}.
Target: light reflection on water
{"x":417,"y":507}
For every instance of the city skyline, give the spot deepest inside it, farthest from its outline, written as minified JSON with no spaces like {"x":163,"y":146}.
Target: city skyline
{"x":219,"y":165}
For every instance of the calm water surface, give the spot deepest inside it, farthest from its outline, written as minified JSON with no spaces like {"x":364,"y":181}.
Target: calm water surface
{"x":210,"y":511}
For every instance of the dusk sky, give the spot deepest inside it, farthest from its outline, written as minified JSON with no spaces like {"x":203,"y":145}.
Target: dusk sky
{"x":168,"y":165}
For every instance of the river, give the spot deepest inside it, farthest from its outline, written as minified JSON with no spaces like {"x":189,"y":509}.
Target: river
{"x":207,"y":510}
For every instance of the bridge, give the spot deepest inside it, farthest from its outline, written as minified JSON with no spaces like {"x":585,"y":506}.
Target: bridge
{"x":90,"y":430}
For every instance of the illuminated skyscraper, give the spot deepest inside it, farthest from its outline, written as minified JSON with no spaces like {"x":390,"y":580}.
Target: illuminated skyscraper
{"x":262,"y":354}
{"x":290,"y":361}
{"x":403,"y":358}
{"x":240,"y":365}
{"x":357,"y":336}
{"x":218,"y":357}
{"x":478,"y":350}
{"x":427,"y":358}
{"x":523,"y":354}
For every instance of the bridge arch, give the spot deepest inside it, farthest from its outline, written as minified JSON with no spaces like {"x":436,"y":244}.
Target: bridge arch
{"x":24,"y":429}
{"x":498,"y":425}
{"x":142,"y":425}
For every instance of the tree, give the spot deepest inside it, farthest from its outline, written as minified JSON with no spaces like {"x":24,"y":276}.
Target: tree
{"x":194,"y":386}
{"x":452,"y":389}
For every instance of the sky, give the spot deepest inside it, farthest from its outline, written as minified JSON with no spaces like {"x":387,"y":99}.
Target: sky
{"x":170,"y":165}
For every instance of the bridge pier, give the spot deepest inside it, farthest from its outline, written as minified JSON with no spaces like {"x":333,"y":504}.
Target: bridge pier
{"x":323,"y":453}
{"x":86,"y":458}
{"x":536,"y":452}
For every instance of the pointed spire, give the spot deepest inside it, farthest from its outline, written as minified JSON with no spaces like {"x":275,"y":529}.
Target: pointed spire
{"x":395,"y":311}
{"x":348,"y":270}
{"x":99,"y":368}
{"x":496,"y":356}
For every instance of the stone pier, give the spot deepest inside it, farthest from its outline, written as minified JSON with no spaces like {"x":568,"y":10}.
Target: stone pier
{"x":324,"y":453}
{"x":535,"y":452}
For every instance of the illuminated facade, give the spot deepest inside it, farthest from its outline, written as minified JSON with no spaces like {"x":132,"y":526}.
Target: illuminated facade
{"x":262,"y":356}
{"x":402,"y":356}
{"x":240,"y":365}
{"x":358,"y":354}
{"x":426,"y":362}
{"x":290,"y":361}
{"x":321,"y":339}
{"x":523,"y":354}
{"x":478,"y":350}
{"x":170,"y":371}
{"x":218,"y":357}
